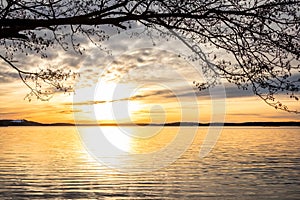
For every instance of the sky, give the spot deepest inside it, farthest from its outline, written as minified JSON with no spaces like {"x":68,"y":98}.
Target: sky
{"x":140,"y":79}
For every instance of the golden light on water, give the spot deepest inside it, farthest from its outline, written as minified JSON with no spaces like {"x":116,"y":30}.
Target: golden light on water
{"x":117,"y":138}
{"x":52,"y":161}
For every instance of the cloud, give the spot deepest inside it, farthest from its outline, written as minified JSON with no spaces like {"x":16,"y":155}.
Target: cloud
{"x":8,"y":77}
{"x":8,"y":113}
{"x":69,"y":111}
{"x":273,"y":116}
{"x":84,"y":103}
{"x":150,"y":65}
{"x":189,"y":92}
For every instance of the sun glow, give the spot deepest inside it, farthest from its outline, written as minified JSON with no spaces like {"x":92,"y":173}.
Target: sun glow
{"x":113,"y":102}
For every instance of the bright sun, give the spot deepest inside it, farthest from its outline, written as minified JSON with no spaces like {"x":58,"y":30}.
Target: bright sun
{"x":112,"y":102}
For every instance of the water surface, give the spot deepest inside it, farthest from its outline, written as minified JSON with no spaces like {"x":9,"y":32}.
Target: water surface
{"x":246,"y":163}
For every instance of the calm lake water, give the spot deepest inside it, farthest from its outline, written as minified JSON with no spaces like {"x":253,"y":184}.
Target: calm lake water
{"x":246,"y":163}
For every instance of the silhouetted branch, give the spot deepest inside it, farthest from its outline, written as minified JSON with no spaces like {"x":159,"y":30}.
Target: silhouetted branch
{"x":261,"y":37}
{"x":44,"y":83}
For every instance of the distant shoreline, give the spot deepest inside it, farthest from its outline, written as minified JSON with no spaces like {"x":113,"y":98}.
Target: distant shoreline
{"x":5,"y":123}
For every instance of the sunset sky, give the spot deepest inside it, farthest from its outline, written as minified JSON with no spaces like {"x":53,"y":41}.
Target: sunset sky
{"x":135,"y":82}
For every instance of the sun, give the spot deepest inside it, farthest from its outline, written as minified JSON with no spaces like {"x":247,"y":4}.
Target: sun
{"x":113,"y":102}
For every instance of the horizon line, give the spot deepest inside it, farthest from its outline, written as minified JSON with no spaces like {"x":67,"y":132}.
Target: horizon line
{"x":24,"y":122}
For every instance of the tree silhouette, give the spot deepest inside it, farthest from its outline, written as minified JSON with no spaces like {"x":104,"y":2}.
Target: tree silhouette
{"x":261,"y":35}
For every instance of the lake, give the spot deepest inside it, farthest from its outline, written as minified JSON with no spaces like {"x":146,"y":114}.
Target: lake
{"x":246,"y":163}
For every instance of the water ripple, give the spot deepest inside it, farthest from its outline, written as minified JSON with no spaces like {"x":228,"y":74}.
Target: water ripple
{"x":50,"y":163}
